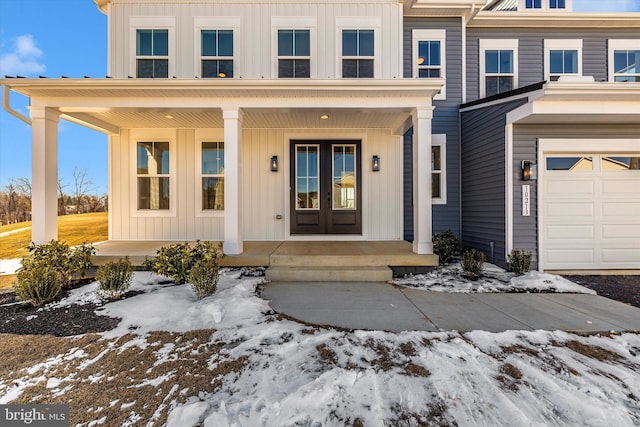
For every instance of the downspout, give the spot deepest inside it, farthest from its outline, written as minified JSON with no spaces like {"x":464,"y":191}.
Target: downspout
{"x":6,"y":104}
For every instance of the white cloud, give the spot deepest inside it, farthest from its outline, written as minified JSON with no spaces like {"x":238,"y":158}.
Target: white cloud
{"x":606,"y":6}
{"x":23,"y":59}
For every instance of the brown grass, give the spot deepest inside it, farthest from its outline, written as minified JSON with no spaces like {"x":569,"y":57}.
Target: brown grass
{"x":72,"y":229}
{"x":6,"y":281}
{"x":195,"y":366}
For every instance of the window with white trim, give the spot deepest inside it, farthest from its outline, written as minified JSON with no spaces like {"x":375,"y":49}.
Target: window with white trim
{"x":562,"y":58}
{"x":152,"y":53}
{"x":294,"y":53}
{"x":429,"y":55}
{"x":152,"y":46}
{"x":153,"y":175}
{"x":212,"y":175}
{"x":216,"y":53}
{"x":358,"y":53}
{"x":624,"y":61}
{"x":438,"y":169}
{"x":498,"y":66}
{"x":545,"y":5}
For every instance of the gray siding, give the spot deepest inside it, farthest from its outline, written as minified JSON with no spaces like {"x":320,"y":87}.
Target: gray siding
{"x":445,"y":121}
{"x":531,"y":51}
{"x":483,"y":179}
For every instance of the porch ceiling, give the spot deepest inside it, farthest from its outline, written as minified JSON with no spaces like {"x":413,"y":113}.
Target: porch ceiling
{"x":253,"y":118}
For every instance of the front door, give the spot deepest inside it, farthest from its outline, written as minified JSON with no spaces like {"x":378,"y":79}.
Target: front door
{"x":326,"y":193}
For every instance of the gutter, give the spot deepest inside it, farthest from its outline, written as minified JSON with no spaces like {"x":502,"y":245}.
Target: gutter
{"x":6,"y":104}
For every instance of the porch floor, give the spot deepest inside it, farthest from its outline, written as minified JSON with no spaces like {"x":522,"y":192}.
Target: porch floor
{"x":265,"y":254}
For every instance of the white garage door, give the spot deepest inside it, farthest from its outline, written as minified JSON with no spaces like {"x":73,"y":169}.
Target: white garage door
{"x":591,"y":211}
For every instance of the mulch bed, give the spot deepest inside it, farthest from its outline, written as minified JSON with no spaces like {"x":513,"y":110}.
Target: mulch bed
{"x":22,"y":318}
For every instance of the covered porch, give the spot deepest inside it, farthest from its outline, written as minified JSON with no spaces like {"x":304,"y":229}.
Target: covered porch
{"x":257,"y":120}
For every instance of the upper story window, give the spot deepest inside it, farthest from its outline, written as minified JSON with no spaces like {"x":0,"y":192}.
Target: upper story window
{"x":498,"y":66}
{"x":429,"y":55}
{"x":216,"y":50}
{"x":533,"y":4}
{"x":624,"y":61}
{"x":152,"y":53}
{"x":545,"y":5}
{"x":153,"y":176}
{"x":151,"y":46}
{"x":294,"y":53}
{"x":358,"y":53}
{"x":562,"y":58}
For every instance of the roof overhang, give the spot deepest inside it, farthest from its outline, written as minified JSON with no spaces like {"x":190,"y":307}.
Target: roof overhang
{"x":560,"y":103}
{"x":108,"y":105}
{"x":443,"y":8}
{"x":504,"y":19}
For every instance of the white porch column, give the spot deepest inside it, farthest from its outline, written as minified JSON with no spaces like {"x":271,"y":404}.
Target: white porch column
{"x":422,"y":222}
{"x":233,"y":244}
{"x":44,"y":182}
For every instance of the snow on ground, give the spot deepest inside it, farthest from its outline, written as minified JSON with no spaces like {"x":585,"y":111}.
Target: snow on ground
{"x":10,"y":266}
{"x":494,"y":279}
{"x":304,"y":376}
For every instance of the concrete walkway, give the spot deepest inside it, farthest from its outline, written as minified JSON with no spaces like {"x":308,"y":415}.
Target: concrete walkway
{"x":381,"y":306}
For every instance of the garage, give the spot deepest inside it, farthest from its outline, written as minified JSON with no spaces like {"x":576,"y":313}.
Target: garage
{"x":589,"y":205}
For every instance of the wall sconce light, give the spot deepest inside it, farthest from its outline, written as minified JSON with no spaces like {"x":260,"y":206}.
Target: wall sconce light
{"x":529,"y":171}
{"x":274,"y":163}
{"x":375,"y":164}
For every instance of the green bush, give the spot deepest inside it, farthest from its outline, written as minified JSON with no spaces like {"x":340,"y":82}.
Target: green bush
{"x":519,"y":261}
{"x":38,"y":284}
{"x":204,"y":277}
{"x":472,"y":264}
{"x":177,"y":260}
{"x":447,"y":246}
{"x":114,"y":278}
{"x":61,"y":258}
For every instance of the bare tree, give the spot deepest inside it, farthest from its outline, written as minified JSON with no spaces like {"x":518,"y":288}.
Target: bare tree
{"x":82,"y":186}
{"x":61,"y":187}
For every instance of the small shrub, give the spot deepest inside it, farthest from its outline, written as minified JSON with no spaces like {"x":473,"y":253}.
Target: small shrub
{"x":38,"y":284}
{"x":447,"y":246}
{"x":114,"y":278}
{"x":519,"y":261}
{"x":61,"y":258}
{"x":204,"y":277}
{"x":177,"y":260}
{"x":472,"y":264}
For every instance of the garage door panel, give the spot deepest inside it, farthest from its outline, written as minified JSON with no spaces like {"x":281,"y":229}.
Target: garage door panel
{"x":571,"y":256}
{"x":619,"y":187}
{"x":618,"y":209}
{"x":557,"y":209}
{"x":572,"y":188}
{"x":631,"y":255}
{"x":615,"y":231}
{"x":564,"y":232}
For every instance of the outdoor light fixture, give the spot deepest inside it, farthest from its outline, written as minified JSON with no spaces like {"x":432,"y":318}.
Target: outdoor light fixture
{"x":529,"y":171}
{"x":324,"y":116}
{"x":274,"y":163}
{"x":375,"y":164}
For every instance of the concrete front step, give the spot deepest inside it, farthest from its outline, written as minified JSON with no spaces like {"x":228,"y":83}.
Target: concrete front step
{"x":328,"y":274}
{"x":354,"y":261}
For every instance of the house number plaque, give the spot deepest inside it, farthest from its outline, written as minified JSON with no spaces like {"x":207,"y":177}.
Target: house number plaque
{"x":526,"y":200}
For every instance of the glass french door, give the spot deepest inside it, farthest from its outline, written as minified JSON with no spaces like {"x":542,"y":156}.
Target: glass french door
{"x":326,"y":194}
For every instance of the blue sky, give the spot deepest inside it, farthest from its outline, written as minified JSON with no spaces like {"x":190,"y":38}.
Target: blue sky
{"x":69,"y":37}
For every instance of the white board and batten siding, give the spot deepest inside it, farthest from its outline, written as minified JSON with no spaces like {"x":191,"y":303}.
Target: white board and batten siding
{"x":265,"y":194}
{"x":589,"y":214}
{"x":256,"y":34}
